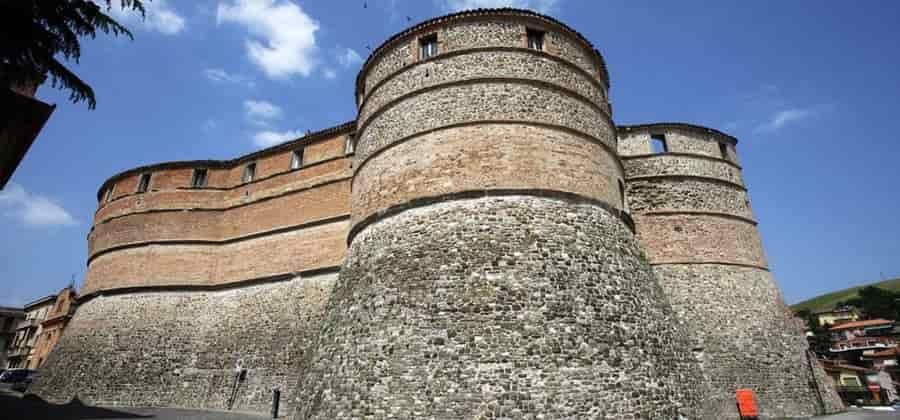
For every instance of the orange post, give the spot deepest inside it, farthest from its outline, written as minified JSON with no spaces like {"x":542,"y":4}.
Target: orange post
{"x":746,"y":404}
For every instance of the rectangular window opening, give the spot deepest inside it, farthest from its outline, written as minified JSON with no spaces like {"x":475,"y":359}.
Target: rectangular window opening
{"x":143,"y":183}
{"x":535,"y":39}
{"x":249,"y":172}
{"x":109,"y":193}
{"x":428,"y":46}
{"x":622,"y":195}
{"x":723,"y":150}
{"x":658,"y":143}
{"x":350,"y":145}
{"x":297,"y":158}
{"x":198,"y":180}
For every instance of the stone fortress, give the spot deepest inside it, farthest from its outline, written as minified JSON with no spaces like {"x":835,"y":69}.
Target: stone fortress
{"x":481,"y":242}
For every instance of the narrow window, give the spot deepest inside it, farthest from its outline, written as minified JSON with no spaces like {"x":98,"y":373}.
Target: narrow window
{"x":297,"y":158}
{"x":350,"y":145}
{"x":723,"y":150}
{"x":249,"y":172}
{"x":428,"y":46}
{"x":622,"y":195}
{"x":198,"y":180}
{"x":109,"y":192}
{"x":658,"y":143}
{"x":143,"y":183}
{"x":535,"y":39}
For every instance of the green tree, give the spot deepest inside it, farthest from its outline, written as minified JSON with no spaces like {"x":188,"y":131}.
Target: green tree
{"x":35,"y":34}
{"x":876,"y":302}
{"x":820,"y":340}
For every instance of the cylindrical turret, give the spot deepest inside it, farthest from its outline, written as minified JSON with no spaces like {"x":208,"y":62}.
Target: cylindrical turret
{"x":491,"y":270}
{"x":693,"y":218}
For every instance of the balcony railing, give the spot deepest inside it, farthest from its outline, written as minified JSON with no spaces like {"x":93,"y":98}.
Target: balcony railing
{"x":28,"y":323}
{"x":862,"y":344}
{"x":19,"y":351}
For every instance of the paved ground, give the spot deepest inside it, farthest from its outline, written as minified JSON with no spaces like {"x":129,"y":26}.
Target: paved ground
{"x":857,"y":414}
{"x":14,"y":407}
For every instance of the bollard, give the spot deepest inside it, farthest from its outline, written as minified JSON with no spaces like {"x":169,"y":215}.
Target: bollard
{"x":276,"y":395}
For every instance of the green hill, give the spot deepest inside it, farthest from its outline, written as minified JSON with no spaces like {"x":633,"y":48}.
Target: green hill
{"x":829,"y":300}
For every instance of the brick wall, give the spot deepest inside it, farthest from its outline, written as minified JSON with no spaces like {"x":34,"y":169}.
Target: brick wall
{"x":285,"y":221}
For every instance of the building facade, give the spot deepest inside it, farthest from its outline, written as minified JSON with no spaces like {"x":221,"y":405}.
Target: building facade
{"x":22,"y":353}
{"x":837,"y":316}
{"x":481,"y":242}
{"x":9,"y":322}
{"x":53,"y":325}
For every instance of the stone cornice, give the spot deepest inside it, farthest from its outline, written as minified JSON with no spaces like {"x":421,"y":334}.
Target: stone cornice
{"x":680,"y":176}
{"x":209,"y":287}
{"x":680,"y":154}
{"x":733,"y":264}
{"x":673,"y":212}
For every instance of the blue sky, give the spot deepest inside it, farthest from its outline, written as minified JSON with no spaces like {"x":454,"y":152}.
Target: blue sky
{"x":811,"y":90}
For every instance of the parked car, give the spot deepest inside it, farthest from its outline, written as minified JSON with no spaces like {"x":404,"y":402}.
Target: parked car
{"x":16,"y":379}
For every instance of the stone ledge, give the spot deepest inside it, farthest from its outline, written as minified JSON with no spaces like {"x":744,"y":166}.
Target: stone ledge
{"x":677,"y":176}
{"x":209,"y":287}
{"x":680,"y":154}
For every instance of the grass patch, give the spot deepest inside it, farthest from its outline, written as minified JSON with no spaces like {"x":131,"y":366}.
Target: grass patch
{"x":830,"y":300}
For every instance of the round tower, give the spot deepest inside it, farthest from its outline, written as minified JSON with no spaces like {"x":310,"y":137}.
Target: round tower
{"x":491,"y":270}
{"x":693,"y":218}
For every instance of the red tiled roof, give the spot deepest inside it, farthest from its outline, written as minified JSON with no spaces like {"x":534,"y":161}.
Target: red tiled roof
{"x":861,"y":324}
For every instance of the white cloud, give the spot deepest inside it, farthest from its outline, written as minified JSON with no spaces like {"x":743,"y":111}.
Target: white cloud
{"x":782,"y":118}
{"x":33,"y":210}
{"x":261,"y":112}
{"x":283,"y":42}
{"x":348,"y":57}
{"x":329,"y":73}
{"x":543,"y":6}
{"x":271,"y":138}
{"x":160,"y":17}
{"x":222,"y":76}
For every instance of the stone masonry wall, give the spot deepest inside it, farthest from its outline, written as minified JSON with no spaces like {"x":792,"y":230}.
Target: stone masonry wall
{"x":460,"y":104}
{"x":515,"y":64}
{"x":471,"y":34}
{"x":693,"y":219}
{"x":745,"y":345}
{"x":499,"y":307}
{"x":179,"y":349}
